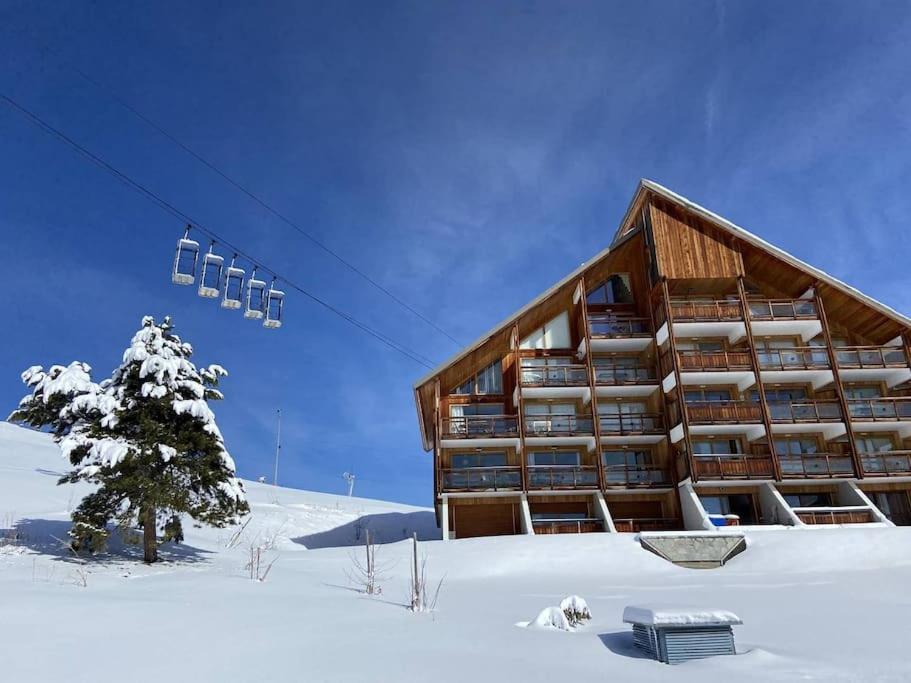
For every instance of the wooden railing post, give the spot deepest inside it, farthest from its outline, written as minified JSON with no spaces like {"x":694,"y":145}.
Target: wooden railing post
{"x":839,"y":387}
{"x":760,"y":389}
{"x":592,"y":382}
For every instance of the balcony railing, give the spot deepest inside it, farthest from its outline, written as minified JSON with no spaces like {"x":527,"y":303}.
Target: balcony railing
{"x":870,"y":357}
{"x":835,"y":515}
{"x":646,"y":524}
{"x":805,"y":411}
{"x":567,"y":526}
{"x":610,"y":327}
{"x":613,"y":375}
{"x":559,"y":425}
{"x":632,"y":423}
{"x":555,"y":376}
{"x":796,"y":358}
{"x":815,"y":466}
{"x":880,"y":409}
{"x":638,"y":476}
{"x":886,"y":464}
{"x":782,"y":309}
{"x":701,"y":361}
{"x":723,"y":412}
{"x":562,"y":477}
{"x":733,"y":466}
{"x":482,"y":479}
{"x":706,"y":311}
{"x":480,"y":426}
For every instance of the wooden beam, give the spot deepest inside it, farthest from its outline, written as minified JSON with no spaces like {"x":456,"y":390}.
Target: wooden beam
{"x":592,"y":384}
{"x":520,"y":408}
{"x":839,"y":388}
{"x":760,"y":388}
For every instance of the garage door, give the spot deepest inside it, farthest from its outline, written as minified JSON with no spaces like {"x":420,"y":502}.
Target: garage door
{"x":498,"y":519}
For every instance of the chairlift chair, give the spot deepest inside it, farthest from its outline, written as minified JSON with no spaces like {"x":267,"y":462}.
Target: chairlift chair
{"x":234,"y":287}
{"x":256,"y":297}
{"x":210,"y":274}
{"x":274,"y":304}
{"x":184,"y":271}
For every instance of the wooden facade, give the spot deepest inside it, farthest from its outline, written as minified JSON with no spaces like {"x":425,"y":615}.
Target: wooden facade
{"x":689,"y":353}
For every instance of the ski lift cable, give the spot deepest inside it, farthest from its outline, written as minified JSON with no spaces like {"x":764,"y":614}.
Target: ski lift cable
{"x":268,"y":207}
{"x":196,"y":225}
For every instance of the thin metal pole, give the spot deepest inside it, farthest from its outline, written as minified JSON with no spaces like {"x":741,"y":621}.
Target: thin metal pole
{"x":278,"y":448}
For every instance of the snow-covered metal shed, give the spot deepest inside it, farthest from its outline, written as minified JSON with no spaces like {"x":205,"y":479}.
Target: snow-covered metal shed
{"x":677,"y":634}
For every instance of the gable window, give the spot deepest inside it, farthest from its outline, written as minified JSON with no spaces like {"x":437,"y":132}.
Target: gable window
{"x":552,"y":335}
{"x":487,"y":381}
{"x":615,"y":290}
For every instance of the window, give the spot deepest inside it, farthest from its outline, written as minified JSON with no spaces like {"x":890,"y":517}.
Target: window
{"x":703,"y":395}
{"x":717,"y":447}
{"x":532,"y":409}
{"x":615,"y":290}
{"x":626,"y":458}
{"x":624,"y":417}
{"x":808,"y":500}
{"x":781,"y":394}
{"x":796,"y":446}
{"x":740,"y":504}
{"x":554,"y":458}
{"x":462,"y":461}
{"x":867,"y":443}
{"x":699,"y":345}
{"x":468,"y":409}
{"x":487,"y":381}
{"x":553,"y":335}
{"x":863,"y":391}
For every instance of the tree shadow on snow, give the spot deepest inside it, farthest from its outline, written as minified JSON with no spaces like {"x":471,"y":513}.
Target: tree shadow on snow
{"x":50,"y":537}
{"x":621,"y":643}
{"x":387,"y":527}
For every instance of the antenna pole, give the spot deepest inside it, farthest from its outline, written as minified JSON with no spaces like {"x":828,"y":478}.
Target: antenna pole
{"x":278,"y":448}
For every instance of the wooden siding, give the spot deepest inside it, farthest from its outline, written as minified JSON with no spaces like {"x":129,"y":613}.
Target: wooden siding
{"x":688,"y":248}
{"x":483,"y":517}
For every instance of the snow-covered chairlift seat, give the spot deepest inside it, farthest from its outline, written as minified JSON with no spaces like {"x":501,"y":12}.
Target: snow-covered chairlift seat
{"x":256,"y":297}
{"x":274,"y":304}
{"x":210,"y":275}
{"x":234,"y":287}
{"x":184,"y":271}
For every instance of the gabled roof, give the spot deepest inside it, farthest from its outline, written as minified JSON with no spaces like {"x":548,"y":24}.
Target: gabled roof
{"x":645,"y":187}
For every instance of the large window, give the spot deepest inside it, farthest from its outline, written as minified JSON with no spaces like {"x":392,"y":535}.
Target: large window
{"x":704,"y":395}
{"x":487,"y":381}
{"x":705,"y":346}
{"x":868,"y":443}
{"x":552,"y":335}
{"x":462,"y":461}
{"x":615,"y":290}
{"x":863,"y":391}
{"x":470,"y":409}
{"x":796,"y":446}
{"x":626,"y":458}
{"x":717,"y":447}
{"x":740,"y":504}
{"x":554,"y":458}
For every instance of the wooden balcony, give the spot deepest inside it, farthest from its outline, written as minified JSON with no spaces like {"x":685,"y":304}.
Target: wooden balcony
{"x":882,"y":409}
{"x":646,"y":524}
{"x":482,"y":479}
{"x":566,"y":526}
{"x":723,"y":412}
{"x":558,"y":477}
{"x":714,"y":361}
{"x":480,"y":427}
{"x":733,"y":466}
{"x":782,"y":309}
{"x":721,"y":310}
{"x":622,"y":424}
{"x":559,"y":425}
{"x":610,"y":326}
{"x":636,"y":476}
{"x":555,"y":376}
{"x":870,"y":357}
{"x":886,"y":464}
{"x":842,"y":515}
{"x":794,"y":412}
{"x":816,"y":466}
{"x":623,"y":375}
{"x":795,"y":358}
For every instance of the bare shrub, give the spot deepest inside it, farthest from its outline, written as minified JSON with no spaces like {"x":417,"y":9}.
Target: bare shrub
{"x":365,"y":573}
{"x":420,"y":600}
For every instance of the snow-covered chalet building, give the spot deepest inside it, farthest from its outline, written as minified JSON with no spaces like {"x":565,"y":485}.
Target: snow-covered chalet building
{"x":689,"y":376}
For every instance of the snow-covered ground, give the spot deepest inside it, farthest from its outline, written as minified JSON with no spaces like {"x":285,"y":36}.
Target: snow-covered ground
{"x":820,"y":605}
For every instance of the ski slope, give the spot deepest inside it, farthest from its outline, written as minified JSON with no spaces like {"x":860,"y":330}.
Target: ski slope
{"x":825,"y":605}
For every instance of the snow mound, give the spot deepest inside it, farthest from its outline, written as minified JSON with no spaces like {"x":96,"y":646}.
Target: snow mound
{"x":575,"y":609}
{"x":551,"y":619}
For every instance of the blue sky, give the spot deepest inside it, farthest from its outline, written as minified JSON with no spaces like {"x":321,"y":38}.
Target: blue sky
{"x":465,"y":154}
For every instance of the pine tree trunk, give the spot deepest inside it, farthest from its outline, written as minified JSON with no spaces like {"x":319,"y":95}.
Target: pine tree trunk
{"x":149,"y":541}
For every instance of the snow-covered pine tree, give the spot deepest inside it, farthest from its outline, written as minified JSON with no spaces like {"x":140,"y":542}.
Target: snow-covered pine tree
{"x":146,"y":437}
